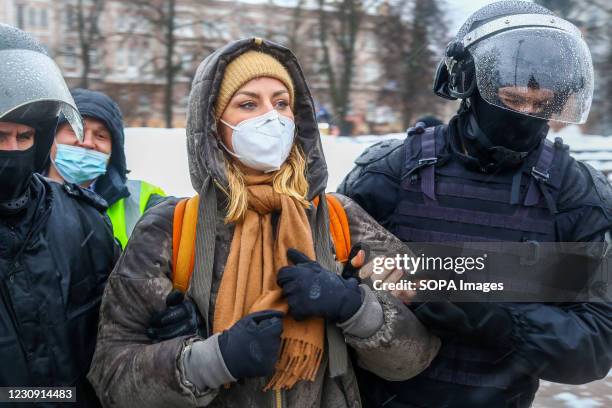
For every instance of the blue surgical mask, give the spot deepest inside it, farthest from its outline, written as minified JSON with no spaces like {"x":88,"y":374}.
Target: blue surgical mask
{"x":79,"y":165}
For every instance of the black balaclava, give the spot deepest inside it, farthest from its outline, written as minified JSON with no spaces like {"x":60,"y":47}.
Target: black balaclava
{"x":507,"y":128}
{"x":498,"y":137}
{"x":16,"y":169}
{"x":17,"y":166}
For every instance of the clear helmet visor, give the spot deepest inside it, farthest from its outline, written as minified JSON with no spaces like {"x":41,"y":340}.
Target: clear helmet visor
{"x":540,"y":72}
{"x":34,"y":90}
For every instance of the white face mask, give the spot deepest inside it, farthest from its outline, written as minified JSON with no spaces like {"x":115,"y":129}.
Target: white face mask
{"x":263,"y":142}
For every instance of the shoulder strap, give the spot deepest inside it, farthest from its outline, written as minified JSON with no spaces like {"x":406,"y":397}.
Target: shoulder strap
{"x":427,"y":162}
{"x":183,"y":241}
{"x":540,"y":174}
{"x":339,"y":228}
{"x":184,"y":234}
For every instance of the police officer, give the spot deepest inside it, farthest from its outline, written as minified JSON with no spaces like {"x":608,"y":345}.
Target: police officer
{"x":56,"y":246}
{"x":98,"y":162}
{"x":515,"y":66}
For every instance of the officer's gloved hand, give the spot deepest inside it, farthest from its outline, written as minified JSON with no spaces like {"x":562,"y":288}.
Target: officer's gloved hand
{"x":250,"y":347}
{"x":313,"y":291}
{"x":180,"y":318}
{"x":357,"y":258}
{"x":478,"y":322}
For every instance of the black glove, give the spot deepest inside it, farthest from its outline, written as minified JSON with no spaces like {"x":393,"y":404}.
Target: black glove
{"x":349,"y":271}
{"x":180,"y":318}
{"x":250,"y":347}
{"x":479,"y":323}
{"x":313,"y":291}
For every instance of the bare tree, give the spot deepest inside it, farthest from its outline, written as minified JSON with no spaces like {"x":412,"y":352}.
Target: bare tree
{"x":297,"y":20}
{"x":160,"y":15}
{"x":409,"y":34}
{"x":84,"y":18}
{"x":339,"y":24}
{"x":164,"y":24}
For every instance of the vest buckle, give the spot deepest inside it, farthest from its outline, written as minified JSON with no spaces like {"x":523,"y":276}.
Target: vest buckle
{"x":540,"y":175}
{"x":533,"y":257}
{"x":428,"y":161}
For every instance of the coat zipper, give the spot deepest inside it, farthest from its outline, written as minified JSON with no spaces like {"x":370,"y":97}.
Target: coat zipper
{"x":278,"y":399}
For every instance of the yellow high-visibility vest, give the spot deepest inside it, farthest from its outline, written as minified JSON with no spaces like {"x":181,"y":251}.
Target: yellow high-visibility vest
{"x":125,"y":213}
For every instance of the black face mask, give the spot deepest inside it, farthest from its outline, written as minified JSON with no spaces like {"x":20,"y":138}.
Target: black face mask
{"x":508,"y":129}
{"x":16,"y":168}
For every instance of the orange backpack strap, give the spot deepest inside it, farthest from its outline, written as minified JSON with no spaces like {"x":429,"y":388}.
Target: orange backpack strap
{"x":184,"y":237}
{"x":338,"y":227}
{"x":177,"y":224}
{"x":183,"y":241}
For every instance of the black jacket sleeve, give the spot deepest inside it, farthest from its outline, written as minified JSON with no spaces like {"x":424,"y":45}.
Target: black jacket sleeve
{"x":572,"y":343}
{"x":569,"y":344}
{"x":374,"y":182}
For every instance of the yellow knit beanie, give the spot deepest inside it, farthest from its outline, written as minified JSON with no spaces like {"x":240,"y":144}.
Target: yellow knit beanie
{"x":247,"y":66}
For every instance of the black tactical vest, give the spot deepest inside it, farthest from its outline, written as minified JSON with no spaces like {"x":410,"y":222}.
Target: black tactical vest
{"x":442,"y":200}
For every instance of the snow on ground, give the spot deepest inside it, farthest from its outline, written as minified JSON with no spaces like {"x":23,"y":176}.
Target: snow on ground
{"x":594,"y":150}
{"x":160,"y":157}
{"x":592,"y":395}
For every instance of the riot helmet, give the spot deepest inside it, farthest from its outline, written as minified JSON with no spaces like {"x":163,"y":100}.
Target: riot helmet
{"x":34,"y":94}
{"x":520,"y":57}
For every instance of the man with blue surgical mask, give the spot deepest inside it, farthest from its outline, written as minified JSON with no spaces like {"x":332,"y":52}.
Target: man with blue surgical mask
{"x":81,"y":162}
{"x":98,"y":162}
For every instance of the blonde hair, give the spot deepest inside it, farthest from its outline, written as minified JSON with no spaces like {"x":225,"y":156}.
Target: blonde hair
{"x":289,"y":180}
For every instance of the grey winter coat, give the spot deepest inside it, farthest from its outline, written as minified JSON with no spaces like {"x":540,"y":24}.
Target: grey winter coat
{"x":129,"y":371}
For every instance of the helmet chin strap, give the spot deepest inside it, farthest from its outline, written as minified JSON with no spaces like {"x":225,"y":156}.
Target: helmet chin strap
{"x":492,"y":155}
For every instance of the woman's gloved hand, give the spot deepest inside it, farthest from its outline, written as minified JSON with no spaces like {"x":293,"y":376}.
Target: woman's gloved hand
{"x":251,"y":346}
{"x":179,"y":318}
{"x":313,"y":291}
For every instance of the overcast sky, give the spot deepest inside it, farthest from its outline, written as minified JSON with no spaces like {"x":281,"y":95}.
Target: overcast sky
{"x":459,"y":11}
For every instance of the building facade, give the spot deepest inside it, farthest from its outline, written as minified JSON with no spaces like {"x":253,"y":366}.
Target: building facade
{"x":127,"y":50}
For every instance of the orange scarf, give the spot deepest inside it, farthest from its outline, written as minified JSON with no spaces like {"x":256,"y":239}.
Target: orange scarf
{"x":249,"y":280}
